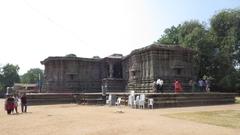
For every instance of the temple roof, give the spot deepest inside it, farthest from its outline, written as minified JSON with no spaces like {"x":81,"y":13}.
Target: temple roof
{"x":116,"y":56}
{"x":68,"y":58}
{"x":157,"y":46}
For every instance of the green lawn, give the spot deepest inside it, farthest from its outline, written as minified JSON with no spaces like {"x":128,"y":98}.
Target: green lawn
{"x":228,"y":118}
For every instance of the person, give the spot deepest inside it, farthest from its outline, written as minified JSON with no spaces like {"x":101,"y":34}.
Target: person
{"x":158,"y":85}
{"x":9,"y":104}
{"x":154,"y":86}
{"x":16,"y":103}
{"x":201,"y":84}
{"x":24,"y":103}
{"x":207,"y":86}
{"x":192,"y":84}
{"x":161,"y":86}
{"x":177,"y":86}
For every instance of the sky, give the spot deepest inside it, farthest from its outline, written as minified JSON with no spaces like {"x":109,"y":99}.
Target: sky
{"x":32,"y":30}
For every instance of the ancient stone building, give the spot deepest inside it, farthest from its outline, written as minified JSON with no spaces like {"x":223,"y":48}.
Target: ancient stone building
{"x":116,"y":73}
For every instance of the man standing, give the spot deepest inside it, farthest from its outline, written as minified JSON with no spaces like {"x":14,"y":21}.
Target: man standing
{"x":24,"y":103}
{"x":201,"y":85}
{"x":161,"y":86}
{"x":158,"y":85}
{"x":154,"y":86}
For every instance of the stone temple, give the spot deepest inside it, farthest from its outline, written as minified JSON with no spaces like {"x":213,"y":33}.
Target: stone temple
{"x":117,"y":73}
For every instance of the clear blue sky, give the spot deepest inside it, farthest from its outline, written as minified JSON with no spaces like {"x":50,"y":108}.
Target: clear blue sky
{"x":174,"y":12}
{"x":32,"y":30}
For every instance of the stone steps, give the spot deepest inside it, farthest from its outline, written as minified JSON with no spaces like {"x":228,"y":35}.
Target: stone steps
{"x":191,"y":99}
{"x":60,"y":98}
{"x":89,"y":98}
{"x":49,"y":98}
{"x":160,"y":99}
{"x":185,"y":99}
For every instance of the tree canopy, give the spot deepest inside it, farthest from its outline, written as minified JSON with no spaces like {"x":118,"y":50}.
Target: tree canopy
{"x":217,"y":46}
{"x":8,"y":76}
{"x":71,"y":55}
{"x":33,"y":75}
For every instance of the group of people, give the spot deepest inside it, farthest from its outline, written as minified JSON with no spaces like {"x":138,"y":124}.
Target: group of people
{"x":158,"y":86}
{"x":12,"y":102}
{"x":201,"y":85}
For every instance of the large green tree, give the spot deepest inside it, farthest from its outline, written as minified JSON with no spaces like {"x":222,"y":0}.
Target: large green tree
{"x":217,"y":46}
{"x":33,"y":75}
{"x":225,"y":28}
{"x":192,"y":34}
{"x":9,"y":76}
{"x":170,"y":36}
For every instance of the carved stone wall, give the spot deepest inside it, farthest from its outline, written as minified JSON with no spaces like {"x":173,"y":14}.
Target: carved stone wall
{"x":72,"y":74}
{"x":168,"y":63}
{"x":137,"y":71}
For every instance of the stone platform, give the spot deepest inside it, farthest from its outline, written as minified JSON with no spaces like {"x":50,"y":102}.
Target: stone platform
{"x":49,"y":98}
{"x":160,"y":99}
{"x":64,"y":98}
{"x":191,"y":99}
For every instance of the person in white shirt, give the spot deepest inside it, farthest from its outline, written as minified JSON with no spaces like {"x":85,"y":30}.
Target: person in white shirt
{"x":160,"y":85}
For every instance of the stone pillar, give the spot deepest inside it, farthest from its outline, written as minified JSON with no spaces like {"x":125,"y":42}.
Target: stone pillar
{"x":62,"y":74}
{"x":144,"y":67}
{"x":111,"y":70}
{"x":151,"y":66}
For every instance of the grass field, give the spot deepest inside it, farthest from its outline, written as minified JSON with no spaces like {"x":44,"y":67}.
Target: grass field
{"x":225,"y":118}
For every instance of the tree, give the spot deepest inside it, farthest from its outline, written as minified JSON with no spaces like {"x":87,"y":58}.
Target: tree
{"x":9,"y":76}
{"x":225,"y":27}
{"x":32,"y":76}
{"x":192,"y":34}
{"x":1,"y":84}
{"x":217,"y":47}
{"x":170,"y":36}
{"x":71,"y":55}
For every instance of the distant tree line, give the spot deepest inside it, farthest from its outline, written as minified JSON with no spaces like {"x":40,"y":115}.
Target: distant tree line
{"x":9,"y":75}
{"x":217,"y":47}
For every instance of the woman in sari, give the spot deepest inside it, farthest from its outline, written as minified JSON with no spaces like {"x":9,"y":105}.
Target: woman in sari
{"x":177,"y":86}
{"x":9,"y":104}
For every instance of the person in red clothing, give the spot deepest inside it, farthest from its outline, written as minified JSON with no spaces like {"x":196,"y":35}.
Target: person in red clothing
{"x":177,"y":86}
{"x":9,"y":104}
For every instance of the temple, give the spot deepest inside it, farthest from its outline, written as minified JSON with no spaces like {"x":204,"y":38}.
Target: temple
{"x":118,"y":73}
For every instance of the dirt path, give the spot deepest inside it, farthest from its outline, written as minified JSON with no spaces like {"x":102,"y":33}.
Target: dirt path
{"x":71,"y":119}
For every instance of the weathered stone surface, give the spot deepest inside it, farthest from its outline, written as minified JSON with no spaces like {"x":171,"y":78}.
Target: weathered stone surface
{"x":168,"y":63}
{"x":137,"y":71}
{"x":160,"y":100}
